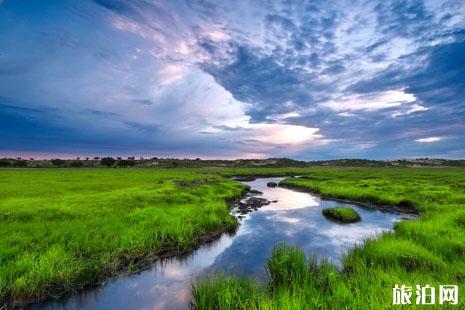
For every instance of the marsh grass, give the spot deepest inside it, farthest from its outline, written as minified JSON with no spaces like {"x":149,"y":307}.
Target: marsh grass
{"x":430,"y":250}
{"x":342,"y":214}
{"x":66,"y":229}
{"x":63,"y":229}
{"x":293,"y":282}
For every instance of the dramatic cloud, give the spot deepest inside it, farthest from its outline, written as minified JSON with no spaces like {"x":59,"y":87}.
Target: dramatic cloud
{"x":304,"y":79}
{"x":372,"y":102}
{"x":429,"y":140}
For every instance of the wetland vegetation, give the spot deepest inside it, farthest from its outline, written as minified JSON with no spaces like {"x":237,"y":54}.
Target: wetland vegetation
{"x":65,"y":229}
{"x":343,"y":215}
{"x":430,"y":250}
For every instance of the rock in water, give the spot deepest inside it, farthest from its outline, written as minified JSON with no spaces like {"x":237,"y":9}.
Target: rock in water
{"x":252,"y":204}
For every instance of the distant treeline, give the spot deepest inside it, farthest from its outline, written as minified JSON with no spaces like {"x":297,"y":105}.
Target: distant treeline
{"x":119,"y":162}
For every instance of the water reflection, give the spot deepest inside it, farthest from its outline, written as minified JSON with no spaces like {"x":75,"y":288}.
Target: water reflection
{"x":295,"y":218}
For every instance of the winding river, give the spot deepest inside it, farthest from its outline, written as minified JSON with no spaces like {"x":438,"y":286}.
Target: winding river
{"x":294,"y":218}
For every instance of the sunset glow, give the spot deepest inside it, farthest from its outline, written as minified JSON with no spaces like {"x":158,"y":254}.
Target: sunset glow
{"x":321,"y":80}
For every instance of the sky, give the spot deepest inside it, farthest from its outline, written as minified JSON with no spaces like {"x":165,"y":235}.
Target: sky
{"x":309,"y":80}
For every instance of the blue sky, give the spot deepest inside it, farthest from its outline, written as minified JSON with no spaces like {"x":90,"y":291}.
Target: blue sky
{"x":232,"y":79}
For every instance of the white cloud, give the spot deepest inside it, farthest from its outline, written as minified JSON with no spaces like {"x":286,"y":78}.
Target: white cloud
{"x":412,"y":109}
{"x":217,"y":35}
{"x":346,"y":114}
{"x":284,"y":134}
{"x":429,"y":139}
{"x":158,"y":58}
{"x":170,"y":74}
{"x":281,"y":117}
{"x":125,"y":24}
{"x":371,"y":102}
{"x":183,"y":48}
{"x":268,"y":135}
{"x":403,"y":103}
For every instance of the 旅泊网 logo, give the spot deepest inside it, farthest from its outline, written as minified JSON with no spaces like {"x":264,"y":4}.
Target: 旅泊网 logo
{"x":425,"y":295}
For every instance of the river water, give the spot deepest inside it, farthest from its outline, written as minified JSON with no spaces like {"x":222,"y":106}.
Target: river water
{"x":295,"y":219}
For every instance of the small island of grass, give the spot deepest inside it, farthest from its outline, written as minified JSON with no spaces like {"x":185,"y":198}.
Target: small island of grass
{"x":343,"y":215}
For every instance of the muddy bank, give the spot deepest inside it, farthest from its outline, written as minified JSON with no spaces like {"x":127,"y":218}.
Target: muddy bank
{"x":124,"y":264}
{"x":253,"y":177}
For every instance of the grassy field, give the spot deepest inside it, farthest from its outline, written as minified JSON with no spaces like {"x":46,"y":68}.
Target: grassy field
{"x":428,"y":251}
{"x":63,"y":229}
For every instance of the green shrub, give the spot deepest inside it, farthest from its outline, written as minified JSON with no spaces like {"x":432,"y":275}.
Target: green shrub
{"x":5,"y":163}
{"x":107,"y":161}
{"x":58,"y":162}
{"x":126,"y":163}
{"x":20,"y":163}
{"x":76,"y":164}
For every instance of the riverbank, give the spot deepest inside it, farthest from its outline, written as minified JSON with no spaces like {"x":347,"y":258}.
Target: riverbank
{"x":430,"y":250}
{"x":286,"y":216}
{"x":401,"y":207}
{"x":70,"y":229}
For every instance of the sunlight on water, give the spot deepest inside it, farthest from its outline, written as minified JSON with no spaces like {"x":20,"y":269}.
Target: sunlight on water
{"x":295,"y":219}
{"x":287,"y":199}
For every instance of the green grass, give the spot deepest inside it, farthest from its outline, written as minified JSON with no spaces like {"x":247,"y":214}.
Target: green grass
{"x":340,"y":214}
{"x":294,"y":282}
{"x":66,"y":229}
{"x":430,"y":250}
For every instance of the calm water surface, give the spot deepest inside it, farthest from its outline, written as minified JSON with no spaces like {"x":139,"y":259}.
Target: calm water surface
{"x":295,"y":219}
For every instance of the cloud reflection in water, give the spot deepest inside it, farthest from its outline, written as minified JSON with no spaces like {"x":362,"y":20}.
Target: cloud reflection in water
{"x":295,"y":219}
